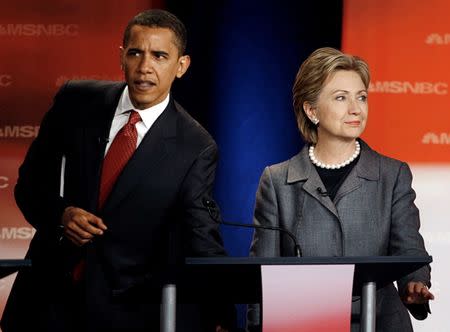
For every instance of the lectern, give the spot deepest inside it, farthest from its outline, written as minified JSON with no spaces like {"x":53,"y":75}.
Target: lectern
{"x":9,"y":266}
{"x":238,"y":280}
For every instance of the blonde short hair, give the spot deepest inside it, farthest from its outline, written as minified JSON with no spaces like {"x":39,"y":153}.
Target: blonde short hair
{"x":311,"y":77}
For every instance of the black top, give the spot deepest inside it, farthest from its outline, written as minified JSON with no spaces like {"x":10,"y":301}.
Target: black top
{"x":333,"y":178}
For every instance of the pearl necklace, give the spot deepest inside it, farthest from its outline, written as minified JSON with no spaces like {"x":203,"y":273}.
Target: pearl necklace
{"x":334,"y":166}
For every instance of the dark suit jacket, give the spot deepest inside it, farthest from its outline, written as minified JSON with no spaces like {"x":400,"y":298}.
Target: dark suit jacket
{"x":154,"y":213}
{"x":372,"y":214}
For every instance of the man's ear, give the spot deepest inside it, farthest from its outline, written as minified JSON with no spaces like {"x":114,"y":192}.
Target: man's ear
{"x":121,"y":57}
{"x":183,"y":65}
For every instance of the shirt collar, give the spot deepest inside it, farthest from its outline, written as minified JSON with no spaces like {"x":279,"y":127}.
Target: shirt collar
{"x":148,"y":115}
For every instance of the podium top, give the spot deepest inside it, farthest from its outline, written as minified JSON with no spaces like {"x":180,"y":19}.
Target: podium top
{"x":353,"y":260}
{"x":239,"y":278}
{"x":9,"y":266}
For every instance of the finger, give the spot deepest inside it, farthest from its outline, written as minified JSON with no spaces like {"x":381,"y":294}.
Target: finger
{"x":74,"y":238}
{"x":426,"y":294}
{"x":409,"y":300}
{"x":88,"y":221}
{"x":91,"y":223}
{"x":81,"y":232}
{"x":83,"y":221}
{"x":410,"y":289}
{"x":421,"y":289}
{"x":420,"y":298}
{"x":418,"y":287}
{"x":77,"y":236}
{"x":94,"y":220}
{"x":412,"y":293}
{"x":76,"y":216}
{"x":91,"y":228}
{"x":415,"y":287}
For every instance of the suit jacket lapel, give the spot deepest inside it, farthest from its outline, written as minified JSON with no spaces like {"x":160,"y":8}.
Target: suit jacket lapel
{"x":156,"y":145}
{"x":367,"y":168}
{"x":95,"y":136}
{"x":301,"y":169}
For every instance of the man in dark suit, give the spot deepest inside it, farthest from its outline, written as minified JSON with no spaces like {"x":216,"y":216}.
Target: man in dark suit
{"x":114,"y":185}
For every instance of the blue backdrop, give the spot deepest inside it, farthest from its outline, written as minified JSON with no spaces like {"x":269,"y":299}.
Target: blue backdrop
{"x":245,"y":55}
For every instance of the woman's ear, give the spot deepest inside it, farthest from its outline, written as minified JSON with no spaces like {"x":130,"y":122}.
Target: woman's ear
{"x":311,"y":112}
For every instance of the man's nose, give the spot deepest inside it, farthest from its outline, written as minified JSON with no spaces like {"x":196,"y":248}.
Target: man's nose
{"x":145,"y":65}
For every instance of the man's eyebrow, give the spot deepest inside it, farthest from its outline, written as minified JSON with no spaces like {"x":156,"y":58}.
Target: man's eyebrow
{"x":134,"y":49}
{"x":158,"y":52}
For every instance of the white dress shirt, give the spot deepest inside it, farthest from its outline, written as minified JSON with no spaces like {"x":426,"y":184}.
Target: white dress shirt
{"x":148,"y":116}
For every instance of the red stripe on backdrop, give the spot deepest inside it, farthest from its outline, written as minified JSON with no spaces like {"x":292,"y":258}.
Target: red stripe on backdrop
{"x":407,"y":46}
{"x":44,"y":43}
{"x":48,"y":42}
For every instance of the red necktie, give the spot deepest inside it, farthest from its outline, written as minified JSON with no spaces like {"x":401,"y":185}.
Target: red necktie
{"x":120,"y":151}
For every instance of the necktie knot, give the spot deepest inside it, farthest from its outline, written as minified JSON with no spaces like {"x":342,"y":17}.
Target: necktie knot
{"x":134,"y":118}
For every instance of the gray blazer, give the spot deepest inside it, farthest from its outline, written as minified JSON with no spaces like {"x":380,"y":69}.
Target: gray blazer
{"x":372,"y":214}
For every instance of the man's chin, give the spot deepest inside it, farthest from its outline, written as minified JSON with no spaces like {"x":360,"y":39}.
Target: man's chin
{"x":143,"y":103}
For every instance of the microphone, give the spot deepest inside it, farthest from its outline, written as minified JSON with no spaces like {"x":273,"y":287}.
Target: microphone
{"x":103,"y":140}
{"x":210,"y":205}
{"x":322,"y":192}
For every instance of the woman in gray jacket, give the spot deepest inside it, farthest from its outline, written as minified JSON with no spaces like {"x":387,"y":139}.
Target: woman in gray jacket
{"x":338,"y":196}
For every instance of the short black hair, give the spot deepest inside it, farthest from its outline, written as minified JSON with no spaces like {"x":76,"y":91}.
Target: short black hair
{"x":158,"y":18}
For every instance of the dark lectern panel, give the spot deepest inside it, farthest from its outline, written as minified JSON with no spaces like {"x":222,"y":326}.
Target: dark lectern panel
{"x":238,"y":279}
{"x":9,"y":266}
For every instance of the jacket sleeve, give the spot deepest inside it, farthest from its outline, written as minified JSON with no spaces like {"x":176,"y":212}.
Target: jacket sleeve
{"x":405,"y":238}
{"x":203,"y":231}
{"x":265,"y":243}
{"x":37,"y":191}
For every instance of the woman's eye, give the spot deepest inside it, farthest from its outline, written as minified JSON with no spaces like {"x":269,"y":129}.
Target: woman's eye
{"x":362,"y":98}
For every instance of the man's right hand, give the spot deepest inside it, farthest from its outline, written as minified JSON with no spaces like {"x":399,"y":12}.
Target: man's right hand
{"x":80,"y":226}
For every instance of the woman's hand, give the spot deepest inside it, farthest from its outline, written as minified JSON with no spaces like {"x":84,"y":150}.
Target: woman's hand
{"x":417,"y":293}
